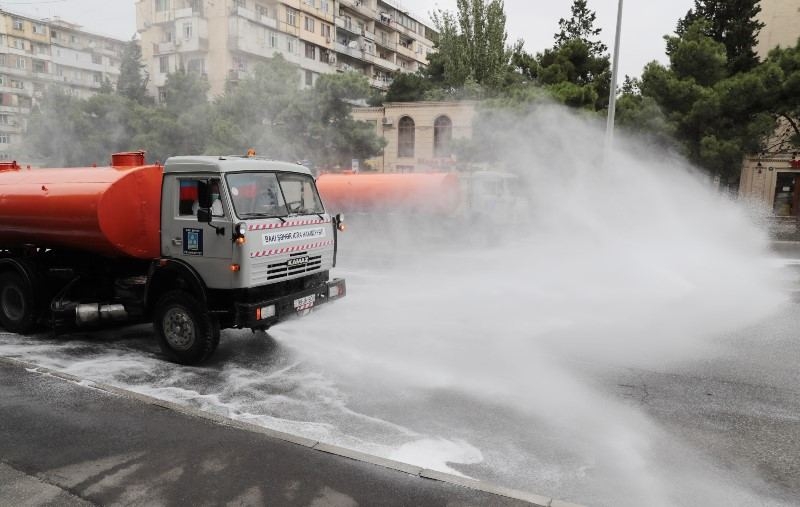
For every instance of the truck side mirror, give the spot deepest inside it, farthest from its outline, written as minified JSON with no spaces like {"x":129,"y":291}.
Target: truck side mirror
{"x":204,"y":215}
{"x":204,"y":194}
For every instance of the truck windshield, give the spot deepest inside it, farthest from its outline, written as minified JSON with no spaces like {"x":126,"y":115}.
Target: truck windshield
{"x":273,"y":195}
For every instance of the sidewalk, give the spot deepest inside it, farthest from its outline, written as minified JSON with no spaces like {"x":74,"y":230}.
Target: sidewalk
{"x":73,"y":443}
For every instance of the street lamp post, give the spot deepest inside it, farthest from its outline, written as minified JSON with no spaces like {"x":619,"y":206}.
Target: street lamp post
{"x":612,"y":99}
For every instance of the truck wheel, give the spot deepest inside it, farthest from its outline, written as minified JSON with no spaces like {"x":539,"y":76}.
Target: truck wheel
{"x":186,"y":333}
{"x":17,"y":305}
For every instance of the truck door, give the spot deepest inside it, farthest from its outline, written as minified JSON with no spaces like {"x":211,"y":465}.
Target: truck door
{"x":208,"y":248}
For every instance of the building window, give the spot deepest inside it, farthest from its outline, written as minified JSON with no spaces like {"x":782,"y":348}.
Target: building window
{"x":162,"y":95}
{"x":18,"y":24}
{"x":309,"y":78}
{"x":324,"y":6}
{"x":262,"y":11}
{"x":290,"y":45}
{"x":196,"y":66}
{"x":309,"y":24}
{"x":5,"y":139}
{"x":162,"y":5}
{"x":442,"y":135}
{"x":3,"y":119}
{"x":291,"y":17}
{"x":163,"y":64}
{"x":97,"y":59}
{"x":326,"y":31}
{"x":405,"y":137}
{"x":240,"y":3}
{"x":21,"y":63}
{"x":273,"y":40}
{"x":311,"y":52}
{"x":40,"y":67}
{"x":40,"y":29}
{"x":187,"y":31}
{"x":3,"y":60}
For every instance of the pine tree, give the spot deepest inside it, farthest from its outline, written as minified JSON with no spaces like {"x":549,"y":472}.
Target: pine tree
{"x":731,"y":22}
{"x":580,"y":26}
{"x":132,"y":76}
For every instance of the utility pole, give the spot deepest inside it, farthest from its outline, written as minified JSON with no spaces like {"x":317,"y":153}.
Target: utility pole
{"x":612,"y":99}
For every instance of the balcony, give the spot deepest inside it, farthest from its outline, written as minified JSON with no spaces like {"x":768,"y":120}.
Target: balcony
{"x":406,"y":51}
{"x":350,"y":27}
{"x":254,"y":17}
{"x":386,"y":64}
{"x":381,"y":83}
{"x":164,"y":48}
{"x":385,"y":43}
{"x":193,"y":45}
{"x":359,"y":7}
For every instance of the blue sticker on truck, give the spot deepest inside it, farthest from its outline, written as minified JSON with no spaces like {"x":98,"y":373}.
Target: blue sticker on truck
{"x":193,"y":242}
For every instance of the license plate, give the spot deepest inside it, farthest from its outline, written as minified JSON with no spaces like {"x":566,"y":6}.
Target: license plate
{"x":305,"y":303}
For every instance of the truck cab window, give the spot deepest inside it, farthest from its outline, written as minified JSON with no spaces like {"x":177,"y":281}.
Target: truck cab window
{"x":193,"y":193}
{"x":300,"y":194}
{"x":256,"y":195}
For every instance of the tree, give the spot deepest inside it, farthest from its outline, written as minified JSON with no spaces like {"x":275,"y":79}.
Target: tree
{"x":67,"y":131}
{"x":472,"y":43}
{"x":580,"y":26}
{"x":576,"y":69}
{"x":132,"y":76}
{"x":716,"y":116}
{"x":407,"y":87}
{"x":732,"y":23}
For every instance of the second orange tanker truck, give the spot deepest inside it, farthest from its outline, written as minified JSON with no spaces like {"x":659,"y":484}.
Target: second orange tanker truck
{"x":196,"y":245}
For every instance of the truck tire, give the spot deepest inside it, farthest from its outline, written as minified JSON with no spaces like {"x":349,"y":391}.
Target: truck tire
{"x":17,"y":303}
{"x":186,"y":333}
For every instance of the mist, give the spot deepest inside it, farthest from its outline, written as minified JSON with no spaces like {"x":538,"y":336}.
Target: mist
{"x":499,"y":353}
{"x":633,"y":261}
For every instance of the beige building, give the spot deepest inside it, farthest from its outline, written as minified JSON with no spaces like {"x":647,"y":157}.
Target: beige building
{"x":773,"y":179}
{"x":35,"y":54}
{"x":419,"y":135}
{"x":781,"y":19}
{"x":224,"y":39}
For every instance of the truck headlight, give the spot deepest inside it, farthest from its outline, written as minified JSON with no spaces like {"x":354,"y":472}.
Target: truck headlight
{"x":335,"y":291}
{"x":265,"y":312}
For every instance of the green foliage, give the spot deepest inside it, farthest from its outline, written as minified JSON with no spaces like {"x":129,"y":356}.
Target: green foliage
{"x":580,"y":27}
{"x":732,"y":23}
{"x":133,"y":78}
{"x":266,"y":111}
{"x":717,"y":117}
{"x":407,"y":88}
{"x":472,"y":43}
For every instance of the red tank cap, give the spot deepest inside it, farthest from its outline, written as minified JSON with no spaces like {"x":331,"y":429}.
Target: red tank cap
{"x":127,"y":159}
{"x":9,"y":166}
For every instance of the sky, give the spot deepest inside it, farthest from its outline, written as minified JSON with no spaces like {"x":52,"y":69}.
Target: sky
{"x":644,"y":22}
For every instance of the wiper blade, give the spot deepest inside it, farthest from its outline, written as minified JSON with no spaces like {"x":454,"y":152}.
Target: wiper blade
{"x":262,"y":215}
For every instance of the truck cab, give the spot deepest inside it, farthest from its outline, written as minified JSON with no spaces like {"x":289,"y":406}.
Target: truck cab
{"x":245,"y":243}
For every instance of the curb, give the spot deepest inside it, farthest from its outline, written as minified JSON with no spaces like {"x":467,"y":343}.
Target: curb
{"x":533,"y":499}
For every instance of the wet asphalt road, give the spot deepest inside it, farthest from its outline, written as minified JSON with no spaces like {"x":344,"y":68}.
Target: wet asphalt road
{"x":109,"y":450}
{"x":728,"y":423}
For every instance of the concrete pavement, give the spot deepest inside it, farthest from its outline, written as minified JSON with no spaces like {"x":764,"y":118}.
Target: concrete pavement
{"x":64,"y":441}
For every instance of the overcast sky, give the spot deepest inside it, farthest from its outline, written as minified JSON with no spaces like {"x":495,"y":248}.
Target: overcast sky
{"x":644,"y":23}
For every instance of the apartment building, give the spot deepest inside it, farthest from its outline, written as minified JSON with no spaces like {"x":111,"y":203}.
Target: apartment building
{"x":35,"y":54}
{"x":224,"y":39}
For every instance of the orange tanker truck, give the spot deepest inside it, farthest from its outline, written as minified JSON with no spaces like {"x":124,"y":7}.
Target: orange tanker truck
{"x":486,"y":196}
{"x":196,"y":245}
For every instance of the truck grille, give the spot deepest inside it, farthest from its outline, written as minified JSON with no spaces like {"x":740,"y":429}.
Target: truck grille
{"x":283,"y":269}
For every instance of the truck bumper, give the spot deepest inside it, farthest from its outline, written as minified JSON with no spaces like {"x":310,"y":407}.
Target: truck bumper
{"x":264,"y":314}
